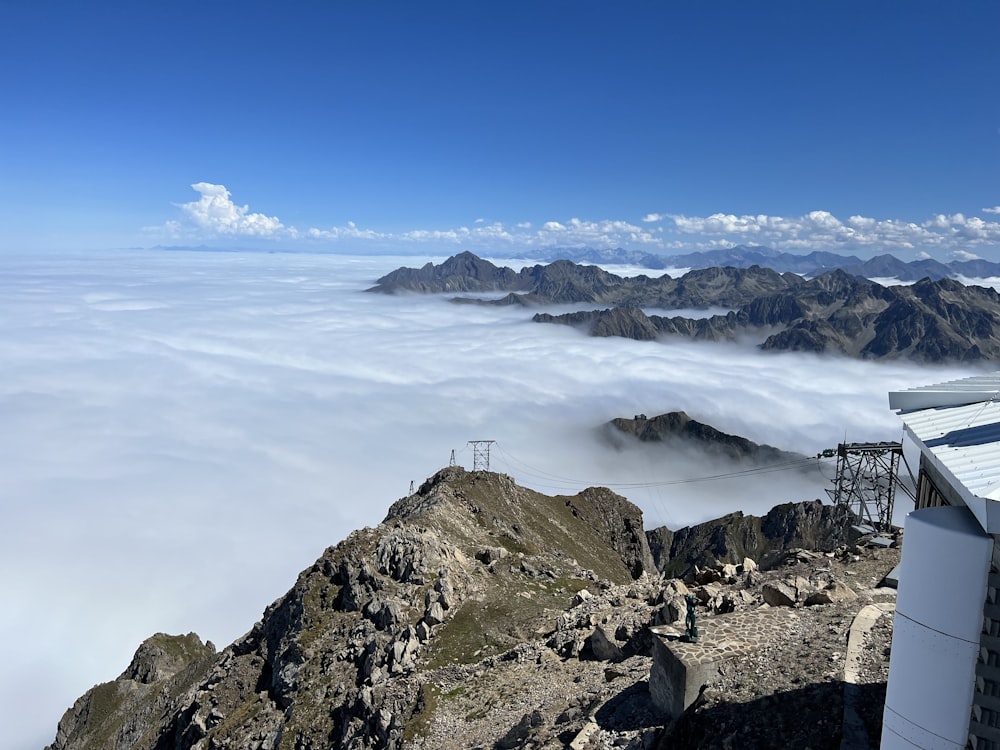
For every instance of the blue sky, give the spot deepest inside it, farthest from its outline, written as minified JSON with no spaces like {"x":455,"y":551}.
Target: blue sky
{"x":432,"y":127}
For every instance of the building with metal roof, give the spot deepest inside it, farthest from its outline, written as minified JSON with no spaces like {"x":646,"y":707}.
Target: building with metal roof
{"x":944,"y":673}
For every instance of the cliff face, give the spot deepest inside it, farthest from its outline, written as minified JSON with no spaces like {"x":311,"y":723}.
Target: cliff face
{"x":468,"y":568}
{"x":807,"y":525}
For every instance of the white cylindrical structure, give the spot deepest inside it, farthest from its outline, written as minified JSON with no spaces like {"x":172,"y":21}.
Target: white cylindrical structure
{"x":943,"y":576}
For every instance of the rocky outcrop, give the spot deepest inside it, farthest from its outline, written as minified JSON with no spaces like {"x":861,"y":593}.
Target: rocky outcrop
{"x":478,"y":614}
{"x":466,"y":569}
{"x":124,"y":712}
{"x":810,"y":525}
{"x":677,"y":427}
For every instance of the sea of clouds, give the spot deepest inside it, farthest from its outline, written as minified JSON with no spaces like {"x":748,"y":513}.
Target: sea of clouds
{"x":183,"y":432}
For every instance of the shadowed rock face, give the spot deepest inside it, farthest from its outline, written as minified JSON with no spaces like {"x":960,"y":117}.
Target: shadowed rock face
{"x":808,"y":525}
{"x":470,"y":566}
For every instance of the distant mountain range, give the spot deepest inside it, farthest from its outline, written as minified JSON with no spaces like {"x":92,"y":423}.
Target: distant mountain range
{"x":931,"y":320}
{"x":810,"y":264}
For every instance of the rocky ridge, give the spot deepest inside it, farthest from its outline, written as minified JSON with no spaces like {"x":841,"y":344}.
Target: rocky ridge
{"x":676,"y":427}
{"x":812,"y":263}
{"x":929,"y":321}
{"x":566,"y":282}
{"x":478,"y":614}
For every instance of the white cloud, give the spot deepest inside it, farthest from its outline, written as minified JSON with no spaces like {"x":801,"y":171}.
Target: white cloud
{"x":963,"y":255}
{"x":993,"y":210}
{"x":606,"y":233}
{"x":215,"y":213}
{"x":823,"y":230}
{"x":185,"y":412}
{"x":349,"y":231}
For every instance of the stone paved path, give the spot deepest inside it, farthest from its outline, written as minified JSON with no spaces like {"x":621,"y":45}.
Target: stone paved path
{"x":727,"y":636}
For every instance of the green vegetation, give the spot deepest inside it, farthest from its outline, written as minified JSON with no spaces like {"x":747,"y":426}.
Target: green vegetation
{"x":423,"y":712}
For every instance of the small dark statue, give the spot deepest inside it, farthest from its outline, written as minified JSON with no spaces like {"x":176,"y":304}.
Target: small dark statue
{"x":690,"y":622}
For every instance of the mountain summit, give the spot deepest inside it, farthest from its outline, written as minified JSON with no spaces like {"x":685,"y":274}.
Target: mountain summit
{"x":481,"y":614}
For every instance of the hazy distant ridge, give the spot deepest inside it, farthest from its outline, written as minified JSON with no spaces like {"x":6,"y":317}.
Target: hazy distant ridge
{"x":809,"y":264}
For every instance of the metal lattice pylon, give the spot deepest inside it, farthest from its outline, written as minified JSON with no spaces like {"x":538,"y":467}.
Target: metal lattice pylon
{"x":481,"y":454}
{"x":866,"y":481}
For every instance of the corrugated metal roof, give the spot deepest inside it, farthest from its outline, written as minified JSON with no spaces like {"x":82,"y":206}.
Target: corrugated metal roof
{"x":952,"y":393}
{"x":964,"y":438}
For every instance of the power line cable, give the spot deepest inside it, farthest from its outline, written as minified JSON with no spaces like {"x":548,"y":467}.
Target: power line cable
{"x":753,"y":471}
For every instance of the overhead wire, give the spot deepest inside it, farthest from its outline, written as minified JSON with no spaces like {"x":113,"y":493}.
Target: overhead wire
{"x":531,"y":471}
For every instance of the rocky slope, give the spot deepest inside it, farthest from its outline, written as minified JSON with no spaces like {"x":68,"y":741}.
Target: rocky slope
{"x":466,"y":569}
{"x":481,"y":614}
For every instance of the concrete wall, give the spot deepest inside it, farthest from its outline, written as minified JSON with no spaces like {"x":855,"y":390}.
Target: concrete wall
{"x":675,"y":682}
{"x":935,"y":642}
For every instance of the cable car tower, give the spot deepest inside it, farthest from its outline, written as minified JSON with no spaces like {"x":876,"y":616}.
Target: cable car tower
{"x":866,"y":482}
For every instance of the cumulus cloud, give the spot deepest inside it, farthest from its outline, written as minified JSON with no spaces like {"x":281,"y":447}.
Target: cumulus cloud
{"x":823,"y":230}
{"x":216,"y":215}
{"x":348,"y":231}
{"x":963,"y":255}
{"x":215,"y":212}
{"x":606,"y":233}
{"x":181,"y":414}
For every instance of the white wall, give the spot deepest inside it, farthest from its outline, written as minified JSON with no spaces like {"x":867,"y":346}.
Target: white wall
{"x":935,"y":642}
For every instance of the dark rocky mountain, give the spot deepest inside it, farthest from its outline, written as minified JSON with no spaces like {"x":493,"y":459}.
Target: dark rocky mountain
{"x":676,"y":427}
{"x":930,"y":321}
{"x":464,"y":272}
{"x":565,"y":282}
